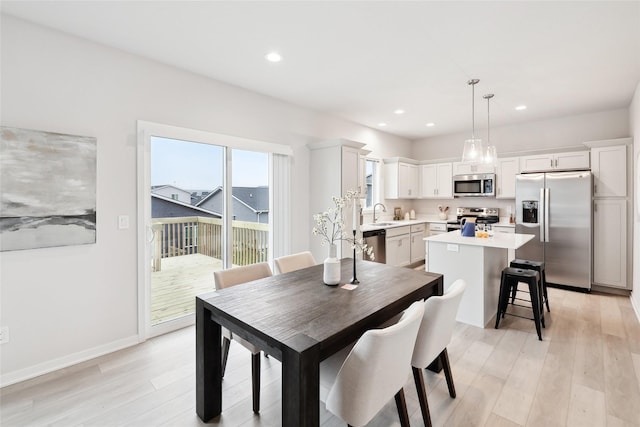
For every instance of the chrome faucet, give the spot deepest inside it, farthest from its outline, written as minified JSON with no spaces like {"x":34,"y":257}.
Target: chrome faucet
{"x":384,"y":209}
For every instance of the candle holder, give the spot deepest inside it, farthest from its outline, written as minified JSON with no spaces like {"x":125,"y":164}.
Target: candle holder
{"x":354,"y":279}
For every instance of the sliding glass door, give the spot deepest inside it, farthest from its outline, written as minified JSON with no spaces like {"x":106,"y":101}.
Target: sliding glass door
{"x":206,"y":207}
{"x":186,"y":195}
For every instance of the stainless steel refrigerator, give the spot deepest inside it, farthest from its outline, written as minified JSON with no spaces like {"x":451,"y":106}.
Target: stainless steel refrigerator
{"x":556,"y":207}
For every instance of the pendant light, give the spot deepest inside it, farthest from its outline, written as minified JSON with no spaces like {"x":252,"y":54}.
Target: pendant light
{"x":491,"y":153}
{"x":473,"y":151}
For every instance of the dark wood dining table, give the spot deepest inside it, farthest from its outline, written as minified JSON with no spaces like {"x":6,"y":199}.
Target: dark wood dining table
{"x":300,"y":321}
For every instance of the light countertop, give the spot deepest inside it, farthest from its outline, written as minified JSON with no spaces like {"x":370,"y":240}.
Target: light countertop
{"x":421,"y":219}
{"x":382,"y":224}
{"x":499,"y":240}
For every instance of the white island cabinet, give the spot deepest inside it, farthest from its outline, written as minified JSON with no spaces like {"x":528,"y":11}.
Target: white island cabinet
{"x":479,"y":261}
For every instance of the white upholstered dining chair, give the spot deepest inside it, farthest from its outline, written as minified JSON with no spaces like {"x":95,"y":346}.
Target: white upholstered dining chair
{"x":434,"y":335}
{"x":358,"y":381}
{"x":225,"y":279}
{"x":294,"y":262}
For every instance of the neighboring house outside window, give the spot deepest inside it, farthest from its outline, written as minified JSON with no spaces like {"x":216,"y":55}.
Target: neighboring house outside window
{"x":372,"y":167}
{"x":250,"y":204}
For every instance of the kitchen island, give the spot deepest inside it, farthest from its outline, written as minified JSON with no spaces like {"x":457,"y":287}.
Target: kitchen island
{"x":477,"y":260}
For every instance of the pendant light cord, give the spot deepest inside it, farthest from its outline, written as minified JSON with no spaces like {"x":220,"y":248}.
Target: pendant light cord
{"x":473,"y":83}
{"x":488,"y":98}
{"x":488,"y":124}
{"x":473,"y":113}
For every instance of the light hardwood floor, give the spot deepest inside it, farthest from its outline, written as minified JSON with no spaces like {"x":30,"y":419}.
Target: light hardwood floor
{"x":586,"y":372}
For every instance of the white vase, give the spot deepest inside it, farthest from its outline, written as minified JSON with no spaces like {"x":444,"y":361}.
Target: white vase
{"x":331,"y":274}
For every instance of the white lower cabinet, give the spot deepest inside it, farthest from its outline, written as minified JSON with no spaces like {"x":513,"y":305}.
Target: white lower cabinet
{"x":405,"y":245}
{"x":417,"y":243}
{"x":399,"y":246}
{"x":433,"y":229}
{"x":610,"y":242}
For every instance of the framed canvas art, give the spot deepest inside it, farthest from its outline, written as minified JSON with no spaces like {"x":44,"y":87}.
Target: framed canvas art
{"x":47,"y":189}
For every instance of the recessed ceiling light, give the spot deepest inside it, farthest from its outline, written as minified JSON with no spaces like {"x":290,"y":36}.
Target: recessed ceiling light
{"x":521,"y":107}
{"x":382,"y":124}
{"x":430,"y":125}
{"x":273,"y":57}
{"x":399,"y":111}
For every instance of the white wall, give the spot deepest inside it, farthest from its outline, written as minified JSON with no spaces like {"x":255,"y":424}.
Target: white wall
{"x":552,"y":134}
{"x":634,"y":119}
{"x":67,"y":304}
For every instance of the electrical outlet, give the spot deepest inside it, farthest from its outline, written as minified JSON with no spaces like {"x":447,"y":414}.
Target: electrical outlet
{"x":4,"y":335}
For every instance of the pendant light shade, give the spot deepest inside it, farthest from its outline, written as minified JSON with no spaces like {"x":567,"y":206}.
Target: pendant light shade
{"x":491,"y":153}
{"x":473,"y":151}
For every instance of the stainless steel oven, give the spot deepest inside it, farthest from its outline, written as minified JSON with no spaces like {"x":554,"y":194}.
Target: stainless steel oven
{"x":476,"y":185}
{"x":479,"y":215}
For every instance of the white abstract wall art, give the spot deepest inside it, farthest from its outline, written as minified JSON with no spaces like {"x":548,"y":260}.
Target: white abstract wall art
{"x":47,"y":189}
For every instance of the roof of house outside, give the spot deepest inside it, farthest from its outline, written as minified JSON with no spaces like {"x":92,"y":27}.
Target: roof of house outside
{"x":257,"y":198}
{"x":186,"y":205}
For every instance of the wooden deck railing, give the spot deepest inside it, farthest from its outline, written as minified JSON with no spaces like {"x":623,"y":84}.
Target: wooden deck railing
{"x":200,"y":235}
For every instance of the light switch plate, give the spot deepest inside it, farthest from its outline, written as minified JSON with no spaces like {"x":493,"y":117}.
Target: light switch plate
{"x":123,"y":222}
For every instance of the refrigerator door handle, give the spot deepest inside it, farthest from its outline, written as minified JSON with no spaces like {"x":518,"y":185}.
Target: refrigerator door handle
{"x":541,"y":217}
{"x":546,"y":214}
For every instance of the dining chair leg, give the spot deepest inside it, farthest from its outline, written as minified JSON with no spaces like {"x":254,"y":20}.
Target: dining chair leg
{"x":444,"y":359}
{"x":226,"y":342}
{"x":422,"y":395}
{"x":255,"y":381}
{"x":401,"y":404}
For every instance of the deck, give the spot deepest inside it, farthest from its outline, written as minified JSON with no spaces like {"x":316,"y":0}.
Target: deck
{"x":174,"y":288}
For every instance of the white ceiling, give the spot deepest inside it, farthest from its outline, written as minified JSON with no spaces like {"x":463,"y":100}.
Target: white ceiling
{"x":361,"y":60}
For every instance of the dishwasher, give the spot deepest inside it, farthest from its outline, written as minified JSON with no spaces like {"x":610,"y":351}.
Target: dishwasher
{"x":377,"y":240}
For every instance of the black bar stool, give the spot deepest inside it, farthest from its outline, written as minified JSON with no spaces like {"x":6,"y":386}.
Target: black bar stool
{"x":539,"y":267}
{"x":510,"y":278}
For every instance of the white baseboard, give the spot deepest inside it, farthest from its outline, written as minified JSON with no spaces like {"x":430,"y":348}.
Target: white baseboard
{"x":65,"y":361}
{"x":635,"y":307}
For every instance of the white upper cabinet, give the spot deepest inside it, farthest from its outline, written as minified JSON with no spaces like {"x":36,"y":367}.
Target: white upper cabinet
{"x":609,"y":167}
{"x":506,"y":171}
{"x":575,"y":160}
{"x":435,"y":181}
{"x":400,"y":179}
{"x":334,"y":170}
{"x":460,"y":168}
{"x":350,"y":169}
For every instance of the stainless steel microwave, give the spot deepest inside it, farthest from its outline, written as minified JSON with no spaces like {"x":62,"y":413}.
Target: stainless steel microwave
{"x":476,"y":185}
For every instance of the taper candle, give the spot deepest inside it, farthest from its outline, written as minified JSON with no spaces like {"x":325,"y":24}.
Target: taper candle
{"x":355,"y":218}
